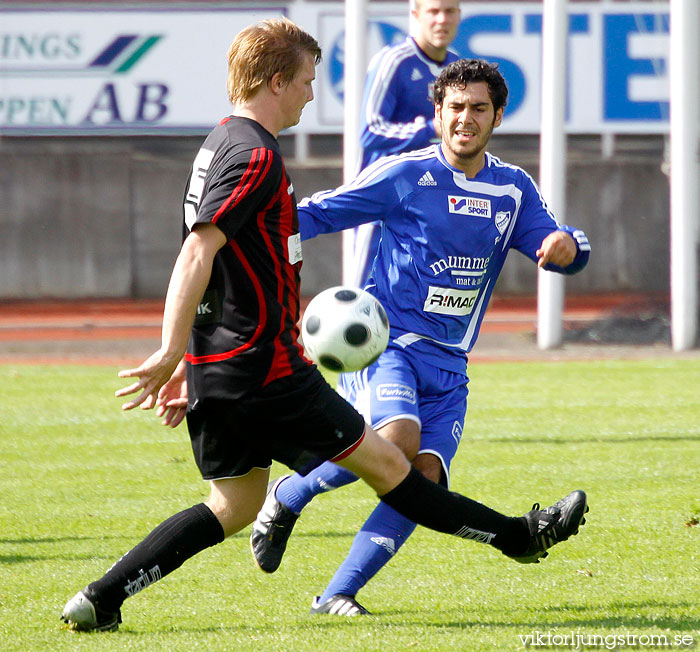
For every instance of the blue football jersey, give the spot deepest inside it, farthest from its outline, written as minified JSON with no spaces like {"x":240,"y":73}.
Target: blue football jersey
{"x":444,"y":240}
{"x":397,"y":116}
{"x":397,"y":109}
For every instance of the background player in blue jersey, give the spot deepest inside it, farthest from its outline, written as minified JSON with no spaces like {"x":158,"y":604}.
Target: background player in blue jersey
{"x":449,"y":214}
{"x":397,"y":110}
{"x":250,"y":393}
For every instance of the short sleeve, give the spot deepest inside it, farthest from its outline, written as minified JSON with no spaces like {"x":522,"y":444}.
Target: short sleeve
{"x":239,"y":186}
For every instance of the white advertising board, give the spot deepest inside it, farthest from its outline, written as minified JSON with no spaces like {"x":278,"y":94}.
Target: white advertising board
{"x":93,"y":70}
{"x":130,"y":71}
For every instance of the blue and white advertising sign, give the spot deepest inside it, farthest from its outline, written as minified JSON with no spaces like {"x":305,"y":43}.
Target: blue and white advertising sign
{"x":164,"y":71}
{"x":617,"y":70}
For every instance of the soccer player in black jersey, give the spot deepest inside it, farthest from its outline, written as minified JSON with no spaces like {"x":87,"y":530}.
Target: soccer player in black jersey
{"x":230,"y":358}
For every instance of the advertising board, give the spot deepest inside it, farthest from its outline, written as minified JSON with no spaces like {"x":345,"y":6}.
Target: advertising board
{"x":97,"y":70}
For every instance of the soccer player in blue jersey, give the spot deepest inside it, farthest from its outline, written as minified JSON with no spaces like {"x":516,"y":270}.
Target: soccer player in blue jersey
{"x":450,"y":213}
{"x":397,"y":111}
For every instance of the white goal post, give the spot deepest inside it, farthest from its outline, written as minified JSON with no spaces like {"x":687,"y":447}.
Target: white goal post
{"x":550,"y":286}
{"x":684,"y":65}
{"x":354,"y":80}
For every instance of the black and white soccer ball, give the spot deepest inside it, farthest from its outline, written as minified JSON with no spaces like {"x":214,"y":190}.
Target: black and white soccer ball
{"x":344,"y":329}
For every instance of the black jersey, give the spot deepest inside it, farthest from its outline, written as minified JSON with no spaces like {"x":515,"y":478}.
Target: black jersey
{"x":245,"y":333}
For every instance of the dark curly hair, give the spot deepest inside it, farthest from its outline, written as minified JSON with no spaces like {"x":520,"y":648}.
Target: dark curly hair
{"x":465,"y":71}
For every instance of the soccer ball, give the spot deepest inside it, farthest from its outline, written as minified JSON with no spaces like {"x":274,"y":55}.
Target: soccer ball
{"x":344,"y":329}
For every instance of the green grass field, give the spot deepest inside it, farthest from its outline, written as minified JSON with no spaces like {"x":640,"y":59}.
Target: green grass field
{"x":81,"y":483}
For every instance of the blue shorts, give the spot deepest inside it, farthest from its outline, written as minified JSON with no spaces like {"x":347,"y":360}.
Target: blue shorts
{"x":400,"y":386}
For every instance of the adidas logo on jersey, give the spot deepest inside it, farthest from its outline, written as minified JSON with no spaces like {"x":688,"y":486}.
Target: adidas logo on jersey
{"x":427,"y":180}
{"x":416,"y":75}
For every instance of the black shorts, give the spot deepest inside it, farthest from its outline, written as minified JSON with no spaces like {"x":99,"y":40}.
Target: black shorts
{"x":299,"y":420}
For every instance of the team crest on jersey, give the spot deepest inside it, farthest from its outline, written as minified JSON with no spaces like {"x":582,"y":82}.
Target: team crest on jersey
{"x":502,"y":220}
{"x":469,"y":206}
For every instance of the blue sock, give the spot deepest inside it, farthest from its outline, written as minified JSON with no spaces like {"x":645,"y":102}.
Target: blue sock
{"x":380,"y":538}
{"x":297,"y":491}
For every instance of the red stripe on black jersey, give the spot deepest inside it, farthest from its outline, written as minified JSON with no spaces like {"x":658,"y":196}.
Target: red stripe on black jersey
{"x":262,"y":317}
{"x":293,"y":298}
{"x":287,"y":291}
{"x":260,"y":161}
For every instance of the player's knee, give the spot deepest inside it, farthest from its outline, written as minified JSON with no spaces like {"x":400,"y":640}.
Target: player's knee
{"x":236,"y":501}
{"x":405,"y":434}
{"x":390,"y":463}
{"x":430,"y":466}
{"x":388,"y":457}
{"x":233,"y":519}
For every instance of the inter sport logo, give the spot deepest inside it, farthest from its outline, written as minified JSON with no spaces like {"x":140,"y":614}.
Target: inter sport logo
{"x":469,"y":206}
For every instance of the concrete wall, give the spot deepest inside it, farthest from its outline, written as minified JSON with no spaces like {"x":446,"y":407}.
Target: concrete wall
{"x":89,"y":217}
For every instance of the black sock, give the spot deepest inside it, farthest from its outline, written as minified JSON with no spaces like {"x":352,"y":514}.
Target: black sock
{"x":166,"y":548}
{"x":435,"y":507}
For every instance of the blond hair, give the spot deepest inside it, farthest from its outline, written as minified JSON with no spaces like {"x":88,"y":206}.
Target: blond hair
{"x":262,"y":50}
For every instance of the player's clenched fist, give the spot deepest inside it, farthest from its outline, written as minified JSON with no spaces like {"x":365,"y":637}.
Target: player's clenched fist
{"x":557,"y":248}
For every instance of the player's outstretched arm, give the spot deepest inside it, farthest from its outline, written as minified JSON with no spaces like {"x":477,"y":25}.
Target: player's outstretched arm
{"x":188,"y":282}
